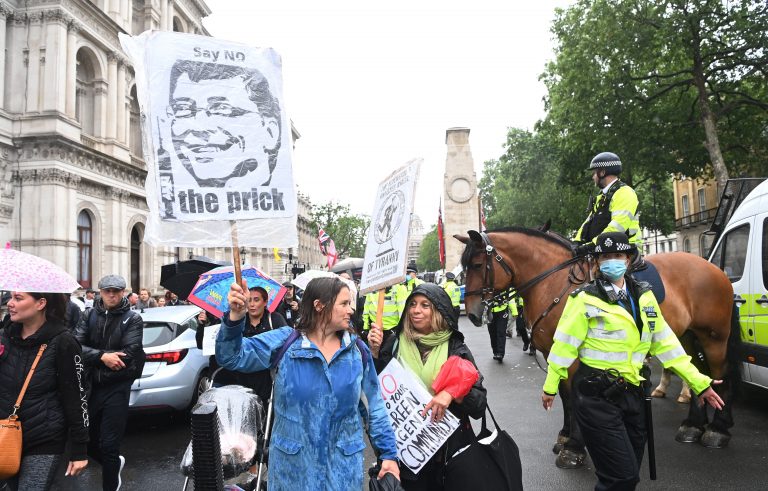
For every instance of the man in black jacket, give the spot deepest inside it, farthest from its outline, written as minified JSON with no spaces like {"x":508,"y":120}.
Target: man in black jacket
{"x":111,"y":337}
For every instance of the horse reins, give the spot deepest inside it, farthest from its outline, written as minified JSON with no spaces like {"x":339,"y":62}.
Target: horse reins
{"x":506,"y":295}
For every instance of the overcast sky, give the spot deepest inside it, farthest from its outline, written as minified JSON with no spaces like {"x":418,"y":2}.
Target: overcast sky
{"x":371,"y":87}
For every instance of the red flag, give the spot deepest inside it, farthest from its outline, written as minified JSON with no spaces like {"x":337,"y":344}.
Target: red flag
{"x":327,"y":247}
{"x":441,"y":234}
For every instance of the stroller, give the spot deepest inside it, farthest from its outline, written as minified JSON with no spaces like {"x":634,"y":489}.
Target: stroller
{"x":228,"y":439}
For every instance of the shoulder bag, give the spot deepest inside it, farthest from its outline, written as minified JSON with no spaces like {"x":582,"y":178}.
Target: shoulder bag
{"x":10,"y":430}
{"x":490,"y":463}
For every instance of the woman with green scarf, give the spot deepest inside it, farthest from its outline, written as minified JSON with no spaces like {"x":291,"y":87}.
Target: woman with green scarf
{"x":423,"y":340}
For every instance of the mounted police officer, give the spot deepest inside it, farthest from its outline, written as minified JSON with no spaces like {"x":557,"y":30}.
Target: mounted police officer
{"x":610,"y":326}
{"x":614,"y":209}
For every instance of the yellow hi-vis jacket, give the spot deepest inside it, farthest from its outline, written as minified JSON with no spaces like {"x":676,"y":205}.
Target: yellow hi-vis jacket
{"x":603,"y":335}
{"x":623,"y":217}
{"x":454,"y":291}
{"x":394,"y":304}
{"x":412,"y":283}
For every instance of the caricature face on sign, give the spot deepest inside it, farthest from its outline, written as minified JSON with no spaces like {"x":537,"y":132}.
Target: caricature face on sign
{"x":220,"y":137}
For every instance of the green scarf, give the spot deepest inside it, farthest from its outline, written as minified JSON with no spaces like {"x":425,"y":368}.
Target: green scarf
{"x":410,"y":355}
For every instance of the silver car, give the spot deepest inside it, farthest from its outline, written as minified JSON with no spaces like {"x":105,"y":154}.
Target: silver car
{"x":175,"y":371}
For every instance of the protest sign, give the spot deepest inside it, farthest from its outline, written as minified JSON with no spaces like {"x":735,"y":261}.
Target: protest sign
{"x":404,"y":397}
{"x":209,"y":339}
{"x":217,"y":141}
{"x":386,"y":251}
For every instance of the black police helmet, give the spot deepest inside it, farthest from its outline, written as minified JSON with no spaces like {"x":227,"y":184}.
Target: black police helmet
{"x":607,"y":161}
{"x":614,"y":242}
{"x":450,"y":276}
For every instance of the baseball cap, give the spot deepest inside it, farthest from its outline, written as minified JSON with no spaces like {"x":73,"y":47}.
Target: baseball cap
{"x":112,"y":281}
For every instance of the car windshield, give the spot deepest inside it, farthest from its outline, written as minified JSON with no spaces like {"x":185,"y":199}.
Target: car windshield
{"x":157,"y":333}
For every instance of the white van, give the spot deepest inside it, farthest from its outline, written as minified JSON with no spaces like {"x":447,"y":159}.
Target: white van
{"x":742,"y":253}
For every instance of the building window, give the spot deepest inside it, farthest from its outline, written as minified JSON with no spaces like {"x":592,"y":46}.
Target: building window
{"x":85,"y":92}
{"x":135,"y":259}
{"x":702,"y":204}
{"x":687,"y":244}
{"x":84,"y":249}
{"x":703,"y":245}
{"x":686,"y":206}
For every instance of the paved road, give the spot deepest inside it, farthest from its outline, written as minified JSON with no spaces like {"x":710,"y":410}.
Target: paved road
{"x":154,"y":446}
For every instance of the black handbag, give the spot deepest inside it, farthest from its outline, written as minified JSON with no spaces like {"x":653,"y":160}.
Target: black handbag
{"x":387,"y":483}
{"x":490,"y":463}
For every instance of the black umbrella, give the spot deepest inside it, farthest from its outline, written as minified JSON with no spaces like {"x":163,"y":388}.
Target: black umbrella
{"x":180,"y":277}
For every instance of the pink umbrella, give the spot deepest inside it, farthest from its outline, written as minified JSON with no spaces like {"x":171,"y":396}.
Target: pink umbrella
{"x":22,"y":272}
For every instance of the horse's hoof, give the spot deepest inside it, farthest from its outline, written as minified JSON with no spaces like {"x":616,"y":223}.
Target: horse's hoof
{"x":561,"y":441}
{"x":658,"y":393}
{"x":683,"y":399}
{"x":715,"y":439}
{"x":688,"y":434}
{"x":568,"y":459}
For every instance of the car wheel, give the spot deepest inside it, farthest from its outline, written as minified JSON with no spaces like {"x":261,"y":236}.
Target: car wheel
{"x":203,"y":384}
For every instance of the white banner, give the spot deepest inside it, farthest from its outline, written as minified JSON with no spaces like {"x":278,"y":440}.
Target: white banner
{"x":217,"y":141}
{"x":404,"y":398}
{"x":386,"y":251}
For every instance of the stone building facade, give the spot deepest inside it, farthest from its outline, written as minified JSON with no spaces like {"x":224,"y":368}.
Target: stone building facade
{"x":696,"y":203}
{"x":71,"y":166}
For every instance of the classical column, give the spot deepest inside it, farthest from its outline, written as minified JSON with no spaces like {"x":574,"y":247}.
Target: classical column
{"x":114,"y":10}
{"x":169,"y":25}
{"x":71,"y":83}
{"x":163,"y":15}
{"x":127,"y":11}
{"x":54,"y":98}
{"x":121,"y":100}
{"x":32,"y":62}
{"x":4,"y":11}
{"x":112,"y":95}
{"x":18,"y":59}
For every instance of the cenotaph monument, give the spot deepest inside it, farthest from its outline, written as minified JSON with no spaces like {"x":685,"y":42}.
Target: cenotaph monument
{"x":460,"y":202}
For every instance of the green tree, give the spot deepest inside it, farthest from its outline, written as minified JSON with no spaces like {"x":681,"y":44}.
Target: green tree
{"x":672,"y":86}
{"x":524,"y":188}
{"x":348,"y":230}
{"x":429,"y":254}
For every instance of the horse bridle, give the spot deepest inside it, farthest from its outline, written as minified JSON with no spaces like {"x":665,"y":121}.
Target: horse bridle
{"x":505,"y":296}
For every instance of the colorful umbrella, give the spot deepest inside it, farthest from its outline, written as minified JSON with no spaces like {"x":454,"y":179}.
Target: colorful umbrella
{"x":22,"y":272}
{"x":210,"y":292}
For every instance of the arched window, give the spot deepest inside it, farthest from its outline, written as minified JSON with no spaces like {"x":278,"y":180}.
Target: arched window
{"x":703,"y":248}
{"x":135,"y":135}
{"x":84,"y":249}
{"x":85,"y":93}
{"x":177,"y":25}
{"x":135,"y":258}
{"x":687,"y":244}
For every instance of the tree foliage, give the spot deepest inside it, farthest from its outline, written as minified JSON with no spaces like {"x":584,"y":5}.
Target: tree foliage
{"x":429,"y":254}
{"x":672,"y":86}
{"x":348,"y":230}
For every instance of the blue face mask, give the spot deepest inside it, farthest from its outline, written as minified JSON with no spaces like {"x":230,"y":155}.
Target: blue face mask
{"x":613,"y":269}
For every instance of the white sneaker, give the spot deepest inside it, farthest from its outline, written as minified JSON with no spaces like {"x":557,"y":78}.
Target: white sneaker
{"x":119,"y":478}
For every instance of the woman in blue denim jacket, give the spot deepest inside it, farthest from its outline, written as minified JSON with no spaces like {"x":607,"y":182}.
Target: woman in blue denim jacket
{"x":317,"y":437}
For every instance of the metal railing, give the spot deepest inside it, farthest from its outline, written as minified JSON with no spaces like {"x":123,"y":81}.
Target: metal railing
{"x":698,"y":218}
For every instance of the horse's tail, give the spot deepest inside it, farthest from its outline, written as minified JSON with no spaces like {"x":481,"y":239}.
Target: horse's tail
{"x":733,"y":353}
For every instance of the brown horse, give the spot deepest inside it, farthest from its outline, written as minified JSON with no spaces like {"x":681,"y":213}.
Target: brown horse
{"x":541,"y":268}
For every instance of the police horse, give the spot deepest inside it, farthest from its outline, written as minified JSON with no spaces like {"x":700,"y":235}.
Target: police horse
{"x":541,"y":267}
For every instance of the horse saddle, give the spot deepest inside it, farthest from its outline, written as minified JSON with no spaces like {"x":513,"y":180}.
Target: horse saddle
{"x":649,"y":274}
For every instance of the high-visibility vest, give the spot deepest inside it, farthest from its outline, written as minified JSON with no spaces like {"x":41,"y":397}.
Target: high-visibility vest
{"x":394,"y":304}
{"x":454,"y":291}
{"x":412,"y":283}
{"x":619,"y":216}
{"x":604,"y":335}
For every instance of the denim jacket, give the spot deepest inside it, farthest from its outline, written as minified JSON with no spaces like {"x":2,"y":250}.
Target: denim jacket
{"x":317,"y":437}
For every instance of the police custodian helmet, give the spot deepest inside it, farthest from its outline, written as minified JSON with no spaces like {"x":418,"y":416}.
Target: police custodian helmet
{"x":607,"y":161}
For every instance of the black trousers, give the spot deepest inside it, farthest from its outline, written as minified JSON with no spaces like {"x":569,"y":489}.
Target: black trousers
{"x":497,"y":330}
{"x":614,"y":434}
{"x":108,"y":409}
